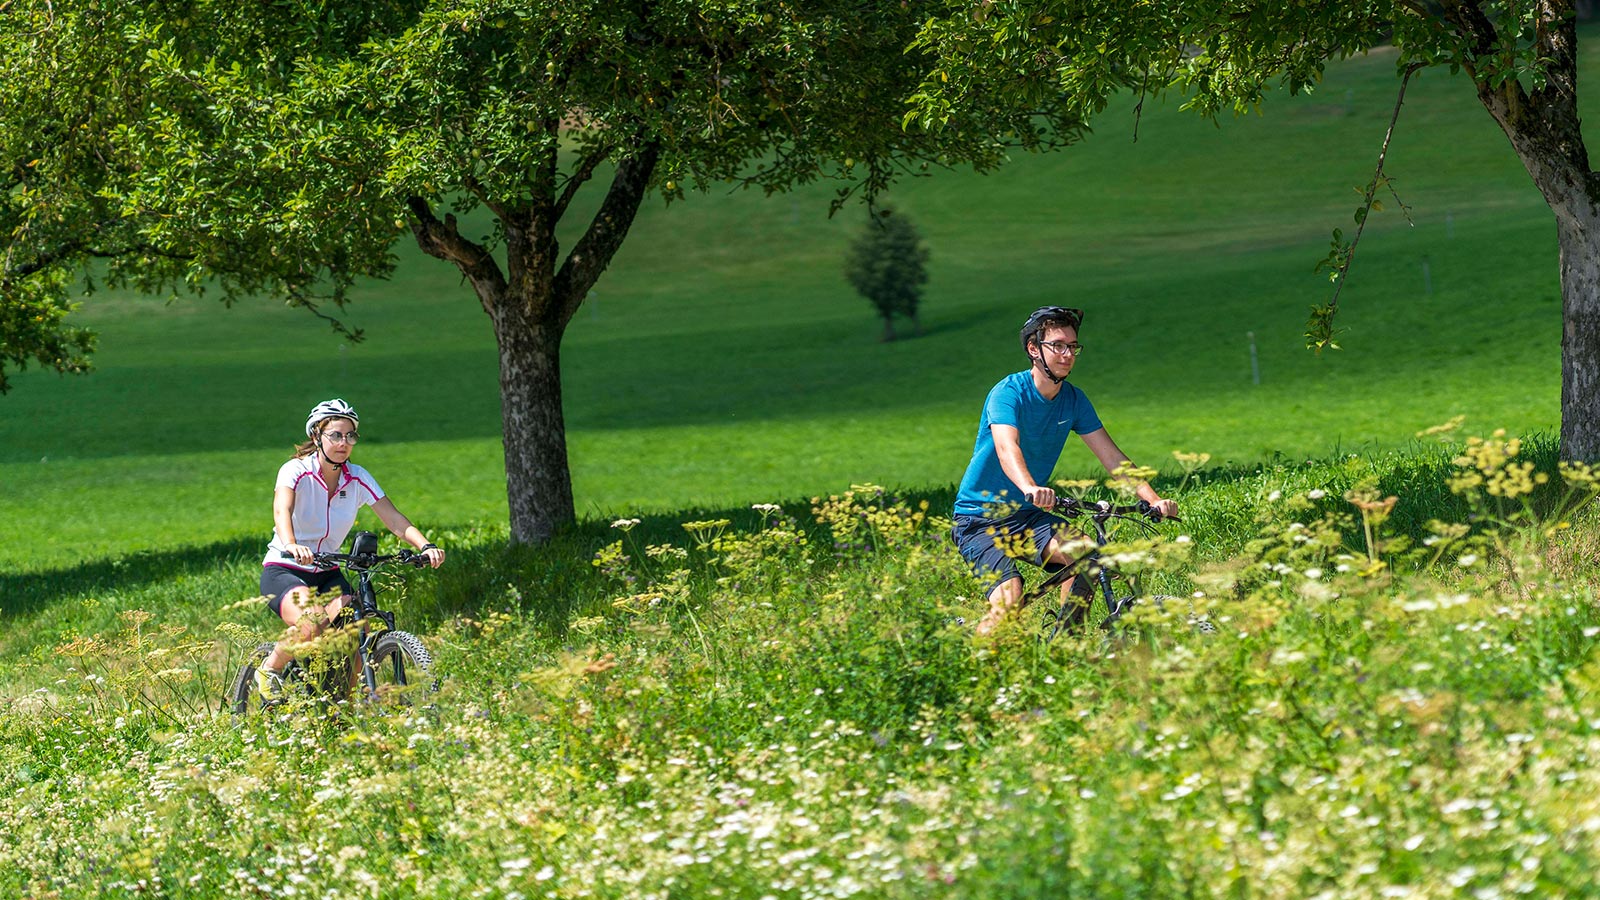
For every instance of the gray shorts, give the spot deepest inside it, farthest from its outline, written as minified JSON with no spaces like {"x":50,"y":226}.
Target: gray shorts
{"x":984,"y":542}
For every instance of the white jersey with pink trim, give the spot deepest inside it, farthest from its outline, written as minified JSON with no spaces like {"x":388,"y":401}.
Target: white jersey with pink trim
{"x":322,"y":516}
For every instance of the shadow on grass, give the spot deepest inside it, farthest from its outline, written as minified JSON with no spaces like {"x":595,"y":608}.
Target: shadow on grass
{"x":557,"y":579}
{"x":23,"y":593}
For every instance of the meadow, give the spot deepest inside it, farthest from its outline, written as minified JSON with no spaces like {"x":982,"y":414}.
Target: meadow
{"x":742,"y":672}
{"x":782,"y":703}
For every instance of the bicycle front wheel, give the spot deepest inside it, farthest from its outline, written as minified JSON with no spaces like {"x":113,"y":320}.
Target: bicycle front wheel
{"x":401,"y":664}
{"x":243,"y":696}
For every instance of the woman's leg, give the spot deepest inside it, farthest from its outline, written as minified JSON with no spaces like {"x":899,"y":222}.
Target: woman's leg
{"x":300,"y":611}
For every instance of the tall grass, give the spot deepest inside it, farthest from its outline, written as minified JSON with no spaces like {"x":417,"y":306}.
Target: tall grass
{"x":775,"y":702}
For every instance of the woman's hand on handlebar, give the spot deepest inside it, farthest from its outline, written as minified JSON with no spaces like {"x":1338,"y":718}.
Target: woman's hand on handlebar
{"x":430,"y":555}
{"x":300,"y":553}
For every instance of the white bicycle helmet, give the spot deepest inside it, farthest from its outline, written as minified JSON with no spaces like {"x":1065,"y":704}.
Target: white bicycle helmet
{"x":329,"y":409}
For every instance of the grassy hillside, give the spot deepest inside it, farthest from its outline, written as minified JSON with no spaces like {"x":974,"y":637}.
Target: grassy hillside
{"x":1398,"y":702}
{"x":723,"y":360}
{"x":779,"y":705}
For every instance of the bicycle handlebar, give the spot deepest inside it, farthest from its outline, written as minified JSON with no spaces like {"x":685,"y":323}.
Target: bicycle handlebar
{"x":1072,"y":506}
{"x":365,"y":560}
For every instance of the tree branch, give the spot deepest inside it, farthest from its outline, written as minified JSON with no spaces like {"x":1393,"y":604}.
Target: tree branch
{"x":443,"y":240}
{"x":584,"y":172}
{"x":600,"y":242}
{"x":1319,"y":331}
{"x":1508,"y":99}
{"x":475,"y":186}
{"x":298,"y":297}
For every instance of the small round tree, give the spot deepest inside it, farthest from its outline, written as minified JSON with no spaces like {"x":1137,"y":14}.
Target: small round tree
{"x":887,"y":264}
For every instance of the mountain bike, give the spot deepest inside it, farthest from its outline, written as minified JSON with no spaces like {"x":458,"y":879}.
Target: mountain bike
{"x":1116,"y":591}
{"x":385,"y":659}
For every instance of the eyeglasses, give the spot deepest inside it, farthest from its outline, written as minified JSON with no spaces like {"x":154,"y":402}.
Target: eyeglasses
{"x":340,"y":437}
{"x":1062,"y":348}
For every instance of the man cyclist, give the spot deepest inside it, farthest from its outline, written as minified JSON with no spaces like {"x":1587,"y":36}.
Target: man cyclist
{"x":1024,"y":426}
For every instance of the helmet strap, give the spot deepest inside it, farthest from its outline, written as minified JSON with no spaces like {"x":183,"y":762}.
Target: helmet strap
{"x":323,"y":452}
{"x":1048,"y":372}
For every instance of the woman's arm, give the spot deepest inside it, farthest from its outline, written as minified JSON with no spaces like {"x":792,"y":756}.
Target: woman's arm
{"x":283,"y":519}
{"x":405,"y":531}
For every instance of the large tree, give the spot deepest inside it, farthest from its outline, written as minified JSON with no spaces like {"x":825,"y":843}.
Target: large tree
{"x":282,"y":148}
{"x":1520,"y":57}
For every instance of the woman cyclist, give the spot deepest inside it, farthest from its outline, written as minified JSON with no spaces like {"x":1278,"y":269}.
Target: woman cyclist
{"x":318,"y":494}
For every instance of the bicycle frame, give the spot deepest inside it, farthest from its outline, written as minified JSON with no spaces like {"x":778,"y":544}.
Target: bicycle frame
{"x":366,"y":611}
{"x":1074,"y":608}
{"x":363,"y":561}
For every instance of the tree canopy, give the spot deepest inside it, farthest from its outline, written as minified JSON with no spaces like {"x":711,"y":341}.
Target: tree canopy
{"x":281,"y":149}
{"x":1520,"y":58}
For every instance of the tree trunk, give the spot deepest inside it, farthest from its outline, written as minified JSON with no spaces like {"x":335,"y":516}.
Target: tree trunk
{"x":1543,"y":127}
{"x":888,"y":329}
{"x":538,"y":479}
{"x":530,"y":304}
{"x":1580,"y":334}
{"x":1572,"y":192}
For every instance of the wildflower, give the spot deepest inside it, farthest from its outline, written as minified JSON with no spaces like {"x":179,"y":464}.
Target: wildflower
{"x":1316,"y":494}
{"x":766,"y":507}
{"x":1445,"y":428}
{"x":1580,"y":475}
{"x":1467,"y":560}
{"x":625,"y":524}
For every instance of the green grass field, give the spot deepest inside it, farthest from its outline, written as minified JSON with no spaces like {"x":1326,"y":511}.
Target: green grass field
{"x":781,"y":705}
{"x":723,"y":359}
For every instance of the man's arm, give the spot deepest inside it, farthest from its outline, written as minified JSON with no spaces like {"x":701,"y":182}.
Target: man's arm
{"x":1009,"y":451}
{"x":1112,"y":457}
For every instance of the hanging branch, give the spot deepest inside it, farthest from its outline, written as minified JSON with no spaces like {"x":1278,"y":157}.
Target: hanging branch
{"x":1319,"y":330}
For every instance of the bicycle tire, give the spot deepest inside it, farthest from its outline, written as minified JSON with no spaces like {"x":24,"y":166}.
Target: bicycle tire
{"x":243,"y":698}
{"x":399,"y":660}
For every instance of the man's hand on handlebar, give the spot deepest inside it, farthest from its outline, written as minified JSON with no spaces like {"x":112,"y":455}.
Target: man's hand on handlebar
{"x":1167,"y":509}
{"x":1042,"y":497}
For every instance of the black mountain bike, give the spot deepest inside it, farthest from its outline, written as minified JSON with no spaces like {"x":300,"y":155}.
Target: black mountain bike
{"x":386,"y":657}
{"x":1101,"y":581}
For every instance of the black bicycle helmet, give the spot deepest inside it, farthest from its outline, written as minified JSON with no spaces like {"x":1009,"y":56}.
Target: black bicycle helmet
{"x":1063,"y":315}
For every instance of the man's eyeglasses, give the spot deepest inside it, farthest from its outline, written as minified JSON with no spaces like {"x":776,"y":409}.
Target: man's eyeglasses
{"x":340,"y":437}
{"x":1062,"y":348}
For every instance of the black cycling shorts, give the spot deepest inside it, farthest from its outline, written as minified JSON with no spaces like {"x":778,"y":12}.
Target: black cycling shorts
{"x":276,"y":581}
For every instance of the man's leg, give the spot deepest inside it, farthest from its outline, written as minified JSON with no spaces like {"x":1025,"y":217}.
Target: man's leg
{"x":1004,"y":599}
{"x":1077,"y":590}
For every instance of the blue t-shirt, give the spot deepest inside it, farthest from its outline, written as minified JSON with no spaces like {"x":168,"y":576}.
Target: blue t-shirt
{"x":1042,"y":428}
